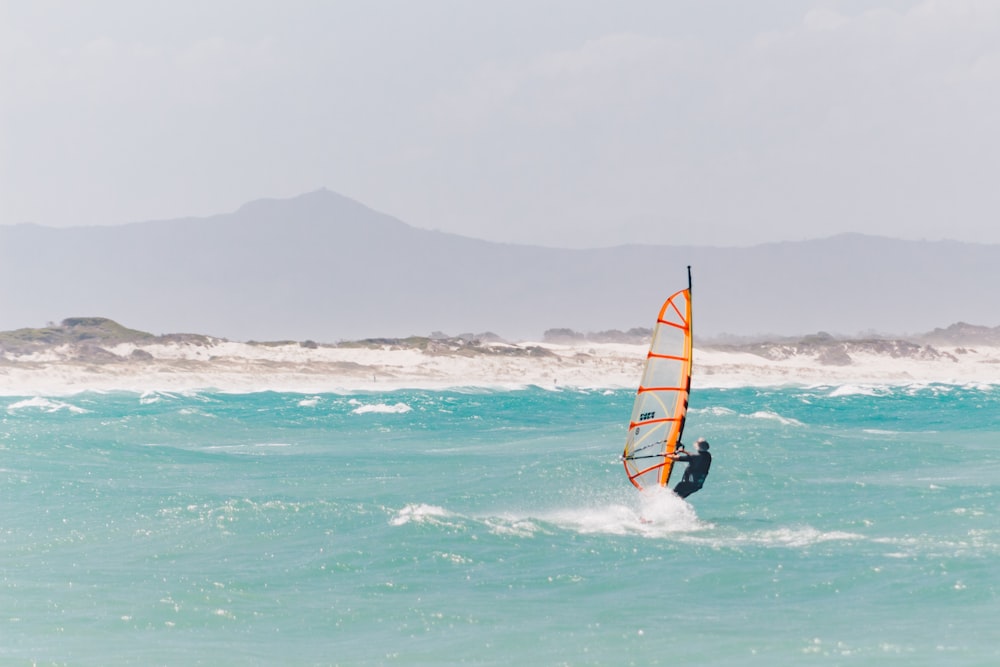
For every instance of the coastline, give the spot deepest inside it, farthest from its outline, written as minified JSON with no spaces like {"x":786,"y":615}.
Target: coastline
{"x":226,"y":366}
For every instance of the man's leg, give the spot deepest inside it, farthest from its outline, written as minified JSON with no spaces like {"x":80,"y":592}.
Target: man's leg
{"x":685,"y":489}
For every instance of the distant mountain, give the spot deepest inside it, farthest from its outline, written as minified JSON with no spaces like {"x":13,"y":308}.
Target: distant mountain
{"x":324,"y":267}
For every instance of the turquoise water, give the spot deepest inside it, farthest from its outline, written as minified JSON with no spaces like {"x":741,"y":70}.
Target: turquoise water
{"x":839,"y":526}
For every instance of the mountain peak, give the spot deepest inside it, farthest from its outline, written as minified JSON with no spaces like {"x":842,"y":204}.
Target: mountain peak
{"x":322,"y":206}
{"x":316,"y":201}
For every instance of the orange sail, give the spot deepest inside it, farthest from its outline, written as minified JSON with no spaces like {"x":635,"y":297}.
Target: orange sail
{"x":662,"y":400}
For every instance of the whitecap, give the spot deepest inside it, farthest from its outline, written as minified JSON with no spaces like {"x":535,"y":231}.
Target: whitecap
{"x":512,"y":526}
{"x":310,"y":402}
{"x":149,"y":397}
{"x":766,"y":414}
{"x":196,"y":413}
{"x":717,"y":411}
{"x":421,"y":513}
{"x":853,"y":390}
{"x":152,"y":396}
{"x":984,"y":385}
{"x":382,"y":408}
{"x":45,"y":405}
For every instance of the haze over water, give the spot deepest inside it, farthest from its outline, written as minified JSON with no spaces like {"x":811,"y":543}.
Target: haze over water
{"x":839,"y":526}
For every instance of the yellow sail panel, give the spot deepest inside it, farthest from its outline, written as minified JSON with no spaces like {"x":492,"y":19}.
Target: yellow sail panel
{"x":661,"y":402}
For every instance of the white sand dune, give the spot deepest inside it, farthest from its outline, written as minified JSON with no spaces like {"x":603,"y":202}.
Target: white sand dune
{"x":243,"y":367}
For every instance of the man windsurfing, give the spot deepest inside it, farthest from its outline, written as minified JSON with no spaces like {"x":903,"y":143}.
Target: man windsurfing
{"x":698,"y":464}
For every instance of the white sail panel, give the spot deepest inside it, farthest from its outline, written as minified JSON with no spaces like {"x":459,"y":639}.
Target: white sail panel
{"x":657,"y":420}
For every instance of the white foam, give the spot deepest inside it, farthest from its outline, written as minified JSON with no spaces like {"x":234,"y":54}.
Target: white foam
{"x":607,"y":519}
{"x":512,"y":526}
{"x":382,"y":408}
{"x":149,"y":397}
{"x":716,"y":411}
{"x":773,"y":416}
{"x":854,"y":390}
{"x":791,"y":537}
{"x":421,"y":513}
{"x":45,"y":405}
{"x":800,"y":536}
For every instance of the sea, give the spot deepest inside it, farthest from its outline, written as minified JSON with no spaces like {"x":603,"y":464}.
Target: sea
{"x":840,"y":525}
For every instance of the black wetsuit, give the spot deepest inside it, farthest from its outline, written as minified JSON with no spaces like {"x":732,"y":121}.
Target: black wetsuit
{"x":694,"y":474}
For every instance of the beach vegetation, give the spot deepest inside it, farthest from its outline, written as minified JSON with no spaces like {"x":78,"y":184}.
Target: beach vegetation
{"x":72,"y":331}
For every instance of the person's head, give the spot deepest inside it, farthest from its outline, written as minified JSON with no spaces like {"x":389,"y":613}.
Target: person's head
{"x":701,"y":444}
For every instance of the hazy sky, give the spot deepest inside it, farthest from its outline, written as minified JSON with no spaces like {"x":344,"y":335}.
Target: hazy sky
{"x":569,"y":123}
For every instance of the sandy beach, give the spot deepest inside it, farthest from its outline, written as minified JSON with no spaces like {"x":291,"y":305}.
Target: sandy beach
{"x":247,"y":367}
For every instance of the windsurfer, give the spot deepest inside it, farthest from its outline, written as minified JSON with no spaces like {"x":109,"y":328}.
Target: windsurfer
{"x":698,"y":464}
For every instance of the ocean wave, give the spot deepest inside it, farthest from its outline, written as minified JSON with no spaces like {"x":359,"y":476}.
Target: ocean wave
{"x":149,"y":397}
{"x":421,"y":513}
{"x":716,"y":411}
{"x":512,"y":526}
{"x":774,"y":416}
{"x":910,"y":388}
{"x":155,"y":396}
{"x":382,"y":408}
{"x":196,"y":412}
{"x":45,"y":405}
{"x":979,"y":386}
{"x":857,"y":390}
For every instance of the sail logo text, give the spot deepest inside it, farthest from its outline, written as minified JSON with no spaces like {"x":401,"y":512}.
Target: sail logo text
{"x":646,"y":415}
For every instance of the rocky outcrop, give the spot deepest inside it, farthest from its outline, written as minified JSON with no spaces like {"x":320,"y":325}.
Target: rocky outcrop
{"x":829,"y":351}
{"x":963,"y":334}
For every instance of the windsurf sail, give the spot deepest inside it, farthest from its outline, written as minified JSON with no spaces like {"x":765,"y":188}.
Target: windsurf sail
{"x":661,"y":402}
